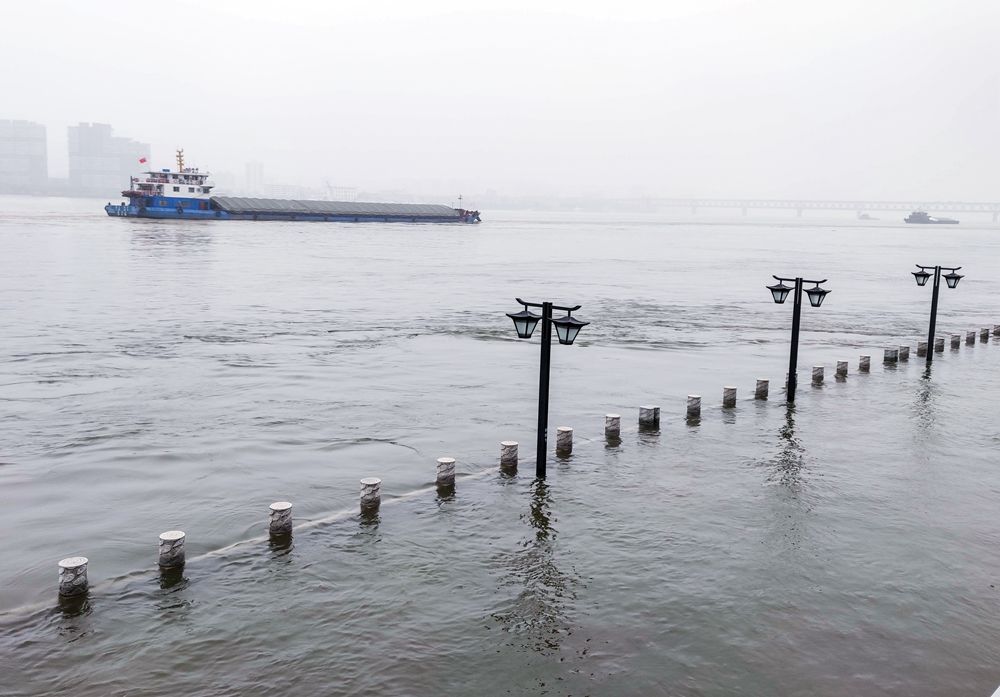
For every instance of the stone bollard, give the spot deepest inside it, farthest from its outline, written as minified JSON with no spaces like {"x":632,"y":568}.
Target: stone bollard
{"x":612,"y":426}
{"x":760,"y":390}
{"x":649,"y":417}
{"x":73,"y":576}
{"x":279,"y":518}
{"x":956,"y":340}
{"x":970,"y":338}
{"x":694,"y":406}
{"x":864,"y":364}
{"x":817,"y":375}
{"x":728,"y":397}
{"x":841,"y":369}
{"x":996,"y":330}
{"x":371,"y":493}
{"x":921,"y":348}
{"x":564,"y":440}
{"x":171,"y":549}
{"x":939,"y":344}
{"x":984,"y":335}
{"x":508,"y":454}
{"x":891,"y":355}
{"x":904,"y":353}
{"x":445,"y":471}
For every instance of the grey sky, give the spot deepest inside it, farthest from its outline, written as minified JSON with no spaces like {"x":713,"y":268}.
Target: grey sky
{"x":703,"y":98}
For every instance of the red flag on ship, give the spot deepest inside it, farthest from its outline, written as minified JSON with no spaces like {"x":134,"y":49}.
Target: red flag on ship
{"x":142,"y":160}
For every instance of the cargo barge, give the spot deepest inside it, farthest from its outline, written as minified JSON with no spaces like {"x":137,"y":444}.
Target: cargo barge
{"x":185,"y":194}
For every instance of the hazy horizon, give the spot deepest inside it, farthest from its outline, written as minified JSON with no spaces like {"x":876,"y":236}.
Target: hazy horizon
{"x":684,"y":99}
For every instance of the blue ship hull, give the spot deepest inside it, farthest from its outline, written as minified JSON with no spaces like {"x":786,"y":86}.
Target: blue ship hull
{"x":176,"y":208}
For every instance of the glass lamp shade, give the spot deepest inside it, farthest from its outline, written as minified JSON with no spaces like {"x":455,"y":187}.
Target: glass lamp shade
{"x":779,"y":291}
{"x":524,"y":322}
{"x":952,"y":279}
{"x":922,"y":277}
{"x":816,"y":296}
{"x":567,"y":328}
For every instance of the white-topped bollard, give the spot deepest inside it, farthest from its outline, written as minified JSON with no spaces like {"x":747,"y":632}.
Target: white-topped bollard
{"x":921,"y":348}
{"x":728,"y":397}
{"x":508,"y":454}
{"x":371,"y":493}
{"x":939,"y":344}
{"x":564,"y":440}
{"x":279,"y":518}
{"x":841,"y":369}
{"x":970,"y":338}
{"x":956,"y":340}
{"x":612,"y":426}
{"x":817,"y":377}
{"x":73,"y":576}
{"x":693,"y":406}
{"x":445,"y":471}
{"x":171,"y":549}
{"x":760,"y":391}
{"x":649,"y":417}
{"x":984,"y":335}
{"x":891,"y":355}
{"x":864,"y":364}
{"x":904,"y":353}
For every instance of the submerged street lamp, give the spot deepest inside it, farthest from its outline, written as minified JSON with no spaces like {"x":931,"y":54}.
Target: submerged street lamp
{"x":567,"y":328}
{"x":779,"y":291}
{"x":921,"y":277}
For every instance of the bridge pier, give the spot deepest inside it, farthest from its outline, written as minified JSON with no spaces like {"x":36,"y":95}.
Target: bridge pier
{"x":798,"y":212}
{"x":744,"y":210}
{"x":996,"y":216}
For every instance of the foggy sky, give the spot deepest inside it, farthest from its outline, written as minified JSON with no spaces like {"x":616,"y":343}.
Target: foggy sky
{"x":871,"y":99}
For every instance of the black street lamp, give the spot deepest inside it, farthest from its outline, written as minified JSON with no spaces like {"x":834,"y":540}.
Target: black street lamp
{"x":779,"y":291}
{"x":567,"y":328}
{"x":921,"y":277}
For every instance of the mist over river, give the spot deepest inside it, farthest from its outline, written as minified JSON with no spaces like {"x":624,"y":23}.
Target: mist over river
{"x":183,"y":375}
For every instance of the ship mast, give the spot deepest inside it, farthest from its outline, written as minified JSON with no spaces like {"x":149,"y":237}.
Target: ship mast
{"x":180,"y":159}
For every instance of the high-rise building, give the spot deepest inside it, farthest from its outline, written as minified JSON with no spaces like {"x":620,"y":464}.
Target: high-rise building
{"x":24,"y":164}
{"x":255,"y":178}
{"x":101,"y":163}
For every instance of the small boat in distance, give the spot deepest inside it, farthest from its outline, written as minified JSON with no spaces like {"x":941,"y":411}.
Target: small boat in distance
{"x":921,"y":218}
{"x":186,"y":194}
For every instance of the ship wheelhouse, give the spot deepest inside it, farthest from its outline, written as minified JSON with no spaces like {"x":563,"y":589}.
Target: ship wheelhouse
{"x":185,"y":187}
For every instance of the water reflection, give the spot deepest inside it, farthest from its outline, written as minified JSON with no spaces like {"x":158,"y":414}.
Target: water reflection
{"x":538,"y":616}
{"x":788,"y":464}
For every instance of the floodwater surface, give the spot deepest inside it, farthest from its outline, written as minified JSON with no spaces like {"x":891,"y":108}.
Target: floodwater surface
{"x":178,"y":375}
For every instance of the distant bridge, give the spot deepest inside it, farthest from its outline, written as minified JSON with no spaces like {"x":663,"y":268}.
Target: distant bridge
{"x":798,"y":205}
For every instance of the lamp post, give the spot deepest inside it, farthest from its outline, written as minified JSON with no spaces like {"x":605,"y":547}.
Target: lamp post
{"x":921,"y":277}
{"x":567,"y":328}
{"x":780,"y":292}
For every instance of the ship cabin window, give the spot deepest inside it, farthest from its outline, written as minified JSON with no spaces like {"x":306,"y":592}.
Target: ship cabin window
{"x":190,"y":189}
{"x":177,"y":188}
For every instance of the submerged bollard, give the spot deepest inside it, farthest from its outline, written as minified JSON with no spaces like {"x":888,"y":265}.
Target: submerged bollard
{"x":73,"y":576}
{"x":445,"y":471}
{"x":864,"y":364}
{"x":694,"y":406}
{"x":904,"y":353}
{"x":760,"y":391}
{"x":371,"y":493}
{"x":984,"y":335}
{"x":921,"y":348}
{"x":891,"y":355}
{"x":564,"y":440}
{"x":508,"y":454}
{"x":649,"y":416}
{"x":817,"y":375}
{"x":728,"y":397}
{"x":612,"y":426}
{"x":970,"y":337}
{"x":956,"y":340}
{"x":171,"y":549}
{"x":279,"y":518}
{"x":939,"y":344}
{"x":841,"y":369}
